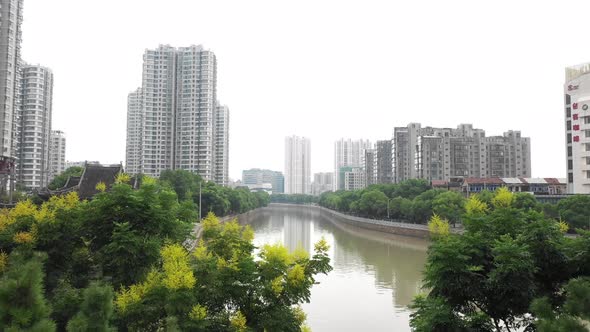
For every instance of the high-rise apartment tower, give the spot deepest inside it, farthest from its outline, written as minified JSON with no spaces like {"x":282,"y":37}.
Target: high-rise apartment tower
{"x":297,"y":165}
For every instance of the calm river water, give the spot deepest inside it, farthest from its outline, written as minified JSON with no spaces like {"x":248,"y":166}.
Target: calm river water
{"x":375,"y":276}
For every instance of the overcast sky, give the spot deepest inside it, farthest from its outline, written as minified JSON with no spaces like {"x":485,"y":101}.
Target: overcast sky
{"x":321,"y":69}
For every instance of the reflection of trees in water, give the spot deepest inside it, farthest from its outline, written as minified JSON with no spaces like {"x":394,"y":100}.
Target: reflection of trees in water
{"x":397,"y":262}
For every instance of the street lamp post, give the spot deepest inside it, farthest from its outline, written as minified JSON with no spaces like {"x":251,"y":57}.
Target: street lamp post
{"x":200,"y":183}
{"x":388,"y":200}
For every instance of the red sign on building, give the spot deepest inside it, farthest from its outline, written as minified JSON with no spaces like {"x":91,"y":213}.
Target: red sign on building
{"x":576,"y":127}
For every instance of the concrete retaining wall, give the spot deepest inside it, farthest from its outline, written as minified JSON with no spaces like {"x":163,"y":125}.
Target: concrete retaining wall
{"x":393,"y":227}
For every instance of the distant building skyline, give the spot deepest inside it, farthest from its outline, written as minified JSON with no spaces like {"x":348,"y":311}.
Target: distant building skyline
{"x":322,"y":182}
{"x":257,"y":178}
{"x":297,"y":165}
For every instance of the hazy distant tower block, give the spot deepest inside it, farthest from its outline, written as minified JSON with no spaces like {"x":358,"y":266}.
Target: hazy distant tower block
{"x":221,"y":146}
{"x":35,"y":126}
{"x":577,"y":128}
{"x":182,"y":124}
{"x":134,"y":132}
{"x":57,"y":154}
{"x":348,"y":153}
{"x":297,"y":165}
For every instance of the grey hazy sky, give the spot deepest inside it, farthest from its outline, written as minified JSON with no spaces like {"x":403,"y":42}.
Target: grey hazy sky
{"x":321,"y":69}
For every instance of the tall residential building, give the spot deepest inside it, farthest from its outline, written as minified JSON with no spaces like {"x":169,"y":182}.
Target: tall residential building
{"x":322,"y":182}
{"x":383,"y":162}
{"x":221,"y":145}
{"x":369,"y":166}
{"x":577,"y":128}
{"x":443,"y":153}
{"x":297,"y":165}
{"x":36,"y":95}
{"x":57,"y":154}
{"x":354,"y":178}
{"x":278,"y":183}
{"x":11,"y":18}
{"x":134,"y":132}
{"x":182,"y":126}
{"x":348,"y":153}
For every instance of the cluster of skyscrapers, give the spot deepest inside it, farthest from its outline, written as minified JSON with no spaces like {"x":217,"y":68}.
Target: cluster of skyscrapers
{"x":31,"y":153}
{"x":174,"y":121}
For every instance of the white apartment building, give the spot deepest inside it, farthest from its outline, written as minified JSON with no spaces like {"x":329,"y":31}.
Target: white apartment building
{"x":221,"y":146}
{"x":297,"y":165}
{"x":11,"y":19}
{"x":348,"y":153}
{"x":57,"y":154}
{"x":355,"y":179}
{"x":181,"y":125}
{"x":577,"y":128}
{"x":133,"y":147}
{"x":322,"y":182}
{"x":35,"y":126}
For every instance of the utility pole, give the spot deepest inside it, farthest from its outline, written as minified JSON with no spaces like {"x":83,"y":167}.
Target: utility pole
{"x":200,"y":183}
{"x":388,"y":200}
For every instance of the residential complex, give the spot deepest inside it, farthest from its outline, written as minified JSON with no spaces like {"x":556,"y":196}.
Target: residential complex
{"x":175,"y":120}
{"x":57,"y":154}
{"x":34,"y":133}
{"x":263,"y":179}
{"x":322,"y":182}
{"x":354,"y":178}
{"x":11,"y":19}
{"x":348,"y":153}
{"x":378,"y":163}
{"x":297,"y":165}
{"x":444,"y":153}
{"x":577,"y":128}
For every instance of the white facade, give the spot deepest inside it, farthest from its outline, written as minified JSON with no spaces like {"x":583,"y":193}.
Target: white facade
{"x":57,"y":154}
{"x":221,"y":146}
{"x":181,"y":125}
{"x":577,"y":128}
{"x":348,"y":153}
{"x":134,"y":132}
{"x":322,"y":182}
{"x":355,"y":179}
{"x":297,"y":165}
{"x":10,"y":43}
{"x":35,"y":126}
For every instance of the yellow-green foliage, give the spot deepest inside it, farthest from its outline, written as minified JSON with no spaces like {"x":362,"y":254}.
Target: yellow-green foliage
{"x":277,"y":285}
{"x":300,"y":255}
{"x":123,"y":178}
{"x":101,"y":186}
{"x":148,"y":180}
{"x":322,"y":246}
{"x":563,"y":226}
{"x":177,"y":270}
{"x":201,"y":252}
{"x":134,"y":294}
{"x":275,"y":254}
{"x":248,"y":233}
{"x":23,"y":237}
{"x":296,"y":275}
{"x":238,"y":322}
{"x":475,"y":206}
{"x":198,"y":312}
{"x":300,"y":315}
{"x":210,"y":222}
{"x":438,"y":226}
{"x":504,"y":198}
{"x":3,"y":261}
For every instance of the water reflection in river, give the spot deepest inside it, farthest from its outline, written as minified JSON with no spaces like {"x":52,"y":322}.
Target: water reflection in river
{"x":375,"y":276}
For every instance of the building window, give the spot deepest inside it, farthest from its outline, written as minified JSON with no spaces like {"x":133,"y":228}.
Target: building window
{"x":570,"y":177}
{"x":570,"y":165}
{"x":568,"y":99}
{"x":569,"y":125}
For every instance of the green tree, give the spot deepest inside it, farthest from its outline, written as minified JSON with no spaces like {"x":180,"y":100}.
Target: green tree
{"x":575,"y":210}
{"x":96,"y":310}
{"x":222,"y":287}
{"x":450,"y":205}
{"x":22,"y":303}
{"x":60,"y":180}
{"x":373,"y":203}
{"x":490,"y":275}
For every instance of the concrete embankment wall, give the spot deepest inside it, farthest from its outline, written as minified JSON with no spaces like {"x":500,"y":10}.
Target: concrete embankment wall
{"x":393,"y":227}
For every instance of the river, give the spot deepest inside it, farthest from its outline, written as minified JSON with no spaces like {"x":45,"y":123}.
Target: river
{"x":376,"y":275}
